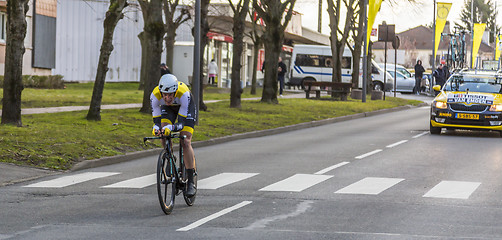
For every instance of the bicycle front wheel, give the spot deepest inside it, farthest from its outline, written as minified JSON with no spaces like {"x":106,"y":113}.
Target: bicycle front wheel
{"x":166,"y":182}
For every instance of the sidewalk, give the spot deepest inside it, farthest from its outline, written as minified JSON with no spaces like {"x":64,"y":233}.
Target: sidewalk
{"x":11,"y":174}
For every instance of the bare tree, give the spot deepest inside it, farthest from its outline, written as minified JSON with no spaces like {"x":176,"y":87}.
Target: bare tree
{"x":151,"y":48}
{"x":14,"y":51}
{"x":172,"y":22}
{"x":338,"y":37}
{"x":271,"y":11}
{"x":113,"y":16}
{"x":240,"y":12}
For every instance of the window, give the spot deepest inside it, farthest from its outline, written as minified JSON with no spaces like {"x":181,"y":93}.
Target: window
{"x":3,"y":25}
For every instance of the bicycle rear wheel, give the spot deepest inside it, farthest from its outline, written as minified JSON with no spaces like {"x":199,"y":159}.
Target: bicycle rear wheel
{"x":190,"y":200}
{"x":166,"y":183}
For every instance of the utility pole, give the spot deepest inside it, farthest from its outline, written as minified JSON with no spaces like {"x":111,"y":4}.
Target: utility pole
{"x":472,"y":33}
{"x":196,"y":61}
{"x":433,"y":64}
{"x":365,"y":54}
{"x":319,"y":19}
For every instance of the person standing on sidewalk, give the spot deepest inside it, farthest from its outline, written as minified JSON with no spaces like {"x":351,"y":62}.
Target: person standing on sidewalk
{"x":280,"y":76}
{"x":419,"y":73}
{"x":212,"y":70}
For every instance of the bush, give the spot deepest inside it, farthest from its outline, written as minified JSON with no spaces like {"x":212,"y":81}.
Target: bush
{"x":35,"y":81}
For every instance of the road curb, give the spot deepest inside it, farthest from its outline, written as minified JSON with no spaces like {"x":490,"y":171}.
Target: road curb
{"x":146,"y":153}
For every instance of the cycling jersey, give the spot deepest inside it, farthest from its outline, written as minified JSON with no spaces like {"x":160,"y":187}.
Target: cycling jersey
{"x":183,"y":108}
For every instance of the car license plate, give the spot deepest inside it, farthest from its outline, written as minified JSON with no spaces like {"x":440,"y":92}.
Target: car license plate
{"x":467,"y":116}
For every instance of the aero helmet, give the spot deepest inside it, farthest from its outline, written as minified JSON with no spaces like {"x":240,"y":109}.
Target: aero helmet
{"x":168,"y":83}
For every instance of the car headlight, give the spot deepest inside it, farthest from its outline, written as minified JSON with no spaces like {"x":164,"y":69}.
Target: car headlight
{"x":441,"y":105}
{"x":496,"y":108}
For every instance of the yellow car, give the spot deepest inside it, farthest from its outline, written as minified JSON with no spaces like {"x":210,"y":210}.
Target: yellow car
{"x":468,"y":100}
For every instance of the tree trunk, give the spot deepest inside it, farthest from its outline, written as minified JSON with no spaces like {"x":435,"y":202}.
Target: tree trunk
{"x":14,"y":51}
{"x":204,"y":25}
{"x":113,"y":16}
{"x":151,"y":47}
{"x":240,"y":13}
{"x":256,"y":49}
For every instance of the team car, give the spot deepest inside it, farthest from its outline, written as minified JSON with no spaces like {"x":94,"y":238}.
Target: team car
{"x":468,"y":100}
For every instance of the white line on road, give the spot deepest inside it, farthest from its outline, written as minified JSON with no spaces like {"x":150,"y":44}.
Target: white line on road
{"x":71,"y":180}
{"x":397,"y":143}
{"x":331,"y":168}
{"x":223,"y":179}
{"x":368,"y":154}
{"x":370,"y":185}
{"x":139,"y":182}
{"x":296,"y":183}
{"x":453,"y":189}
{"x":214,"y":216}
{"x":419,"y":135}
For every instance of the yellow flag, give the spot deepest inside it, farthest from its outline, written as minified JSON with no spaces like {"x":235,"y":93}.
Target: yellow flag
{"x":442,"y":13}
{"x":498,"y":47}
{"x":374,"y":7}
{"x":479,"y":29}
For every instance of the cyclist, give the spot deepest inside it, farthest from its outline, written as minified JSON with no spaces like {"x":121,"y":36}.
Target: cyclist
{"x":172,"y":99}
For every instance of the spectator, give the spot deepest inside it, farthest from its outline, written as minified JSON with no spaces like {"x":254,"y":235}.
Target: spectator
{"x":280,"y":76}
{"x":440,"y":75}
{"x":419,"y":73}
{"x":164,"y":69}
{"x":212,"y":71}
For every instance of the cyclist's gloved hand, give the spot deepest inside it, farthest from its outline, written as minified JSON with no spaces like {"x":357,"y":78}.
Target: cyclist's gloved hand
{"x":166,"y":130}
{"x":155,"y":130}
{"x":177,"y":127}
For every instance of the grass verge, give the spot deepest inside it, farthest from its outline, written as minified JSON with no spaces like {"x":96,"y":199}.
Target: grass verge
{"x":59,"y":140}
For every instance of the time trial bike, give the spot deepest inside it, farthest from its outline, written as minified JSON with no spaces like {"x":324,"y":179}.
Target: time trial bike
{"x":171,"y":174}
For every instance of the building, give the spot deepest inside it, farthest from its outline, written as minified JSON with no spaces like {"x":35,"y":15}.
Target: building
{"x":39,"y":56}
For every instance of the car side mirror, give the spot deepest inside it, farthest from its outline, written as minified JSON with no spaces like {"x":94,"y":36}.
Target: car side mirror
{"x":437,"y":88}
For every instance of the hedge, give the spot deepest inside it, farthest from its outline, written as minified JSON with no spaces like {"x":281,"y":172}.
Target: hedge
{"x":35,"y":81}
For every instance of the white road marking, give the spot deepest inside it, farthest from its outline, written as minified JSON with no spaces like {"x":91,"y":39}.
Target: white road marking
{"x":139,"y":182}
{"x":213,"y":216}
{"x":223,"y":179}
{"x":370,"y":185}
{"x":397,"y":143}
{"x":331,"y":168}
{"x":297,"y":183}
{"x":419,"y":135}
{"x":368,"y":154}
{"x":71,"y":180}
{"x":425,"y":107}
{"x":453,"y":189}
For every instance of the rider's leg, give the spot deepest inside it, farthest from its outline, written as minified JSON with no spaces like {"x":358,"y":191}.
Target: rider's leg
{"x":188,"y":158}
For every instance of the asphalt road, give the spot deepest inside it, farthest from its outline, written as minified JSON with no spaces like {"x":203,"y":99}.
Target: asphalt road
{"x":379,"y":177}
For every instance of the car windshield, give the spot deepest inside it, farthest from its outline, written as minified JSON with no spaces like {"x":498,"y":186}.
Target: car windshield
{"x":473,"y":83}
{"x":398,"y":74}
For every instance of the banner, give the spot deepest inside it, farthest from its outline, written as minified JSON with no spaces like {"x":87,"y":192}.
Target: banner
{"x":498,"y":47}
{"x":442,"y":13}
{"x":374,"y":7}
{"x":479,"y":29}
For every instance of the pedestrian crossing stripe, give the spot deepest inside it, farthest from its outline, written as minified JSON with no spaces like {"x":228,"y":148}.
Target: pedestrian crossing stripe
{"x":222,"y":179}
{"x":370,"y":185}
{"x":71,"y":180}
{"x":139,"y":182}
{"x":453,"y":189}
{"x":297,"y":183}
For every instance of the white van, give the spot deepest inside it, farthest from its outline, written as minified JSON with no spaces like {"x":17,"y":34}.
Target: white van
{"x":314,"y":63}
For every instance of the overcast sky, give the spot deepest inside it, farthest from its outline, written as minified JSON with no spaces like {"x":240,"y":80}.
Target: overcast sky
{"x":403,"y":14}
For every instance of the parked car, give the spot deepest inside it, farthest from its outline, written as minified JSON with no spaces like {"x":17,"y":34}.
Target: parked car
{"x":468,"y":100}
{"x":403,"y":83}
{"x":401,"y":69}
